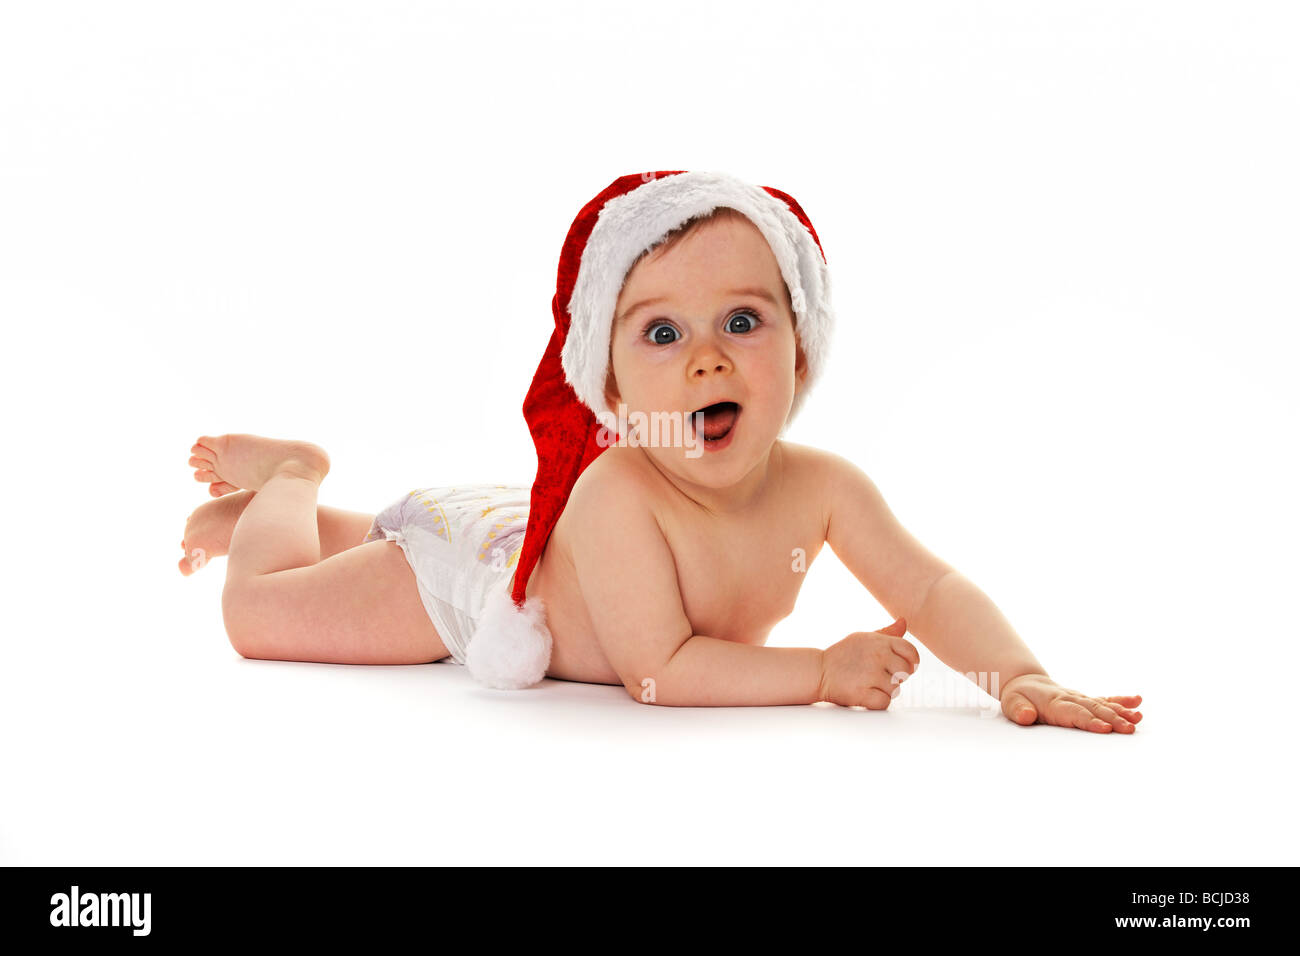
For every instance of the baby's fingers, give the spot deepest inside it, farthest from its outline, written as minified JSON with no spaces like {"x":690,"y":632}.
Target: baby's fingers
{"x":1109,"y":715}
{"x":1126,"y":701}
{"x":897,"y":665}
{"x":1122,"y":705}
{"x":1068,"y":713}
{"x":1133,"y":716}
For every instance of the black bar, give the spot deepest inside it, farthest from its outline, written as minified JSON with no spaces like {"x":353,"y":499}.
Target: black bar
{"x":646,"y":906}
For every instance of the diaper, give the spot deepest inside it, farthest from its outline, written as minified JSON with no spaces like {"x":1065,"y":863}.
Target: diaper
{"x":463,"y":543}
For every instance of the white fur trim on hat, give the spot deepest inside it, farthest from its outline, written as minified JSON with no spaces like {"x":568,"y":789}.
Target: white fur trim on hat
{"x":511,"y":646}
{"x":630,"y":224}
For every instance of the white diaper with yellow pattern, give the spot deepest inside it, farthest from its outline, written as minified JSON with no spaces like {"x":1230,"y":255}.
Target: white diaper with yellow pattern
{"x":462,"y":543}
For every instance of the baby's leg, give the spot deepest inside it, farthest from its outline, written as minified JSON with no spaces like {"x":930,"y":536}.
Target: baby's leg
{"x":360,"y":606}
{"x":209,"y":527}
{"x":282,"y":602}
{"x":340,"y":530}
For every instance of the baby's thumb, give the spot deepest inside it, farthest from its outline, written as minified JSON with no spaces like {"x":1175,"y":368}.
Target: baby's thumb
{"x":897,"y":629}
{"x":1018,"y":708}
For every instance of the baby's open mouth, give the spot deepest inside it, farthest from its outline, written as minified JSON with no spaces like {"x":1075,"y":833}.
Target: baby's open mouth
{"x":718,"y":420}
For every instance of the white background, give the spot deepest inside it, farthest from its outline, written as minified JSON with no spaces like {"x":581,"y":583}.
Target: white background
{"x":1063,"y":244}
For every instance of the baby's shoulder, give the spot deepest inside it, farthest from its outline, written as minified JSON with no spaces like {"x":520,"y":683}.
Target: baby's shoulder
{"x":615,"y":481}
{"x":810,"y":468}
{"x":610,"y":516}
{"x":815,"y":478}
{"x":616,"y":464}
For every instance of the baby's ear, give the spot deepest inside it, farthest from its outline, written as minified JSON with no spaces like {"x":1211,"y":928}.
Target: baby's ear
{"x":612,"y":397}
{"x":800,"y":364}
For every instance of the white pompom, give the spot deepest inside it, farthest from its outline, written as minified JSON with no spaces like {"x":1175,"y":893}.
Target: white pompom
{"x":511,"y":646}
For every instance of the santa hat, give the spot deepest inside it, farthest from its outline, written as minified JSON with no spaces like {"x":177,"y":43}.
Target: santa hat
{"x":511,"y":645}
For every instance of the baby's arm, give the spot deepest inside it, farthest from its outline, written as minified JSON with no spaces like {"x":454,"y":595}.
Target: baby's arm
{"x":951,"y":616}
{"x":947,"y":612}
{"x":629,"y":582}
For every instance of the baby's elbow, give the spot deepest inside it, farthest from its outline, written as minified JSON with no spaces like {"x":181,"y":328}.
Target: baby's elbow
{"x":641,"y":678}
{"x":642,"y":691}
{"x":642,"y":683}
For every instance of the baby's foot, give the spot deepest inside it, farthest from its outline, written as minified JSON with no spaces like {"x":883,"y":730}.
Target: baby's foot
{"x":209,"y":528}
{"x":249,"y":461}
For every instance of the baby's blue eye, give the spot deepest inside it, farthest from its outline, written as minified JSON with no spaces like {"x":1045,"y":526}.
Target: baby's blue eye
{"x":749,"y":321}
{"x":657,"y":338}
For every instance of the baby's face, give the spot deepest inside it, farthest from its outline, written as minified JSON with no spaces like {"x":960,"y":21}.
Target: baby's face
{"x":708,"y":321}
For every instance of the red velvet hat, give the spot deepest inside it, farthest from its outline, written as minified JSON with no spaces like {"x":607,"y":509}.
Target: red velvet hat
{"x":511,"y":645}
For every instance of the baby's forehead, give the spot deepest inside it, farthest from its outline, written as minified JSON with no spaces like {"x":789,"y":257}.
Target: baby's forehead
{"x":717,"y":280}
{"x":736,"y":252}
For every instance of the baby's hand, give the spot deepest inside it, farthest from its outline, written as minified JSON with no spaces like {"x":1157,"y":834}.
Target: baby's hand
{"x":1037,"y":699}
{"x":866,"y":668}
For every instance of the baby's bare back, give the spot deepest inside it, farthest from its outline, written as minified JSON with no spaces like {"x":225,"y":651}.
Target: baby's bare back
{"x":738,"y":573}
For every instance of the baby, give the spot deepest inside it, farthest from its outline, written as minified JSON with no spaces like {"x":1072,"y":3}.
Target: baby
{"x":663,"y":554}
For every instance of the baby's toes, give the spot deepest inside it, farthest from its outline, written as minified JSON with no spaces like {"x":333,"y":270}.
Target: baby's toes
{"x":207,"y":450}
{"x":193,"y":559}
{"x":209,"y":447}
